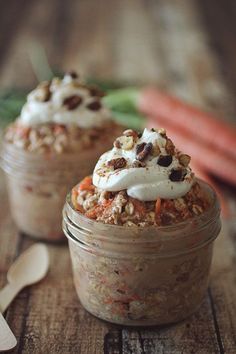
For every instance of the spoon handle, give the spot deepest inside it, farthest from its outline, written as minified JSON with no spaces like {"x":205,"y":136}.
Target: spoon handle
{"x":7,"y":338}
{"x":7,"y":294}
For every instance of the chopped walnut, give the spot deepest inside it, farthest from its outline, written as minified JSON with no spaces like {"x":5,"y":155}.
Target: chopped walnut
{"x":130,"y":132}
{"x":119,"y":162}
{"x":137,"y":163}
{"x":170,"y":148}
{"x":42,"y":92}
{"x":162,"y":132}
{"x":124,"y":142}
{"x":143,"y":150}
{"x":184,"y":159}
{"x":156,"y":149}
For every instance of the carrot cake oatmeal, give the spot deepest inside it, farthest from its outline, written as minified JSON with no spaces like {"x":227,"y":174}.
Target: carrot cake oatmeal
{"x":62,"y":130}
{"x":141,"y":232}
{"x":144,"y":180}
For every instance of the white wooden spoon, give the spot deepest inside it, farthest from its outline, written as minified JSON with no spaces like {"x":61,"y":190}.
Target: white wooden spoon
{"x":7,"y":338}
{"x":29,"y":268}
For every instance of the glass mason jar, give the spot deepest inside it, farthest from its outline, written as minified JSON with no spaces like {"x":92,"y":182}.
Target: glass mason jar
{"x":142,"y":276}
{"x":38,"y":183}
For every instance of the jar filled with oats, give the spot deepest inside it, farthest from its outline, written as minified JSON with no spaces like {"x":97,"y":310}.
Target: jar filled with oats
{"x":141,"y":233}
{"x":62,"y":130}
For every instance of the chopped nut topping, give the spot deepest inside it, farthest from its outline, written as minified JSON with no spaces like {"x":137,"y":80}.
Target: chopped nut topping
{"x":73,"y":74}
{"x":95,"y":91}
{"x":162,"y":132}
{"x":164,"y":160}
{"x":130,"y":132}
{"x":143,"y":150}
{"x":177,"y":174}
{"x":184,"y":159}
{"x":72,"y":102}
{"x":170,"y":148}
{"x":156,"y":149}
{"x":137,"y":163}
{"x":117,"y":144}
{"x":43,"y":93}
{"x":124,"y":142}
{"x":94,"y":106}
{"x":120,"y":162}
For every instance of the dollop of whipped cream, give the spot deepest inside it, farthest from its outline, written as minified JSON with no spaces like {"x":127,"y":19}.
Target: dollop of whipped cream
{"x":67,"y":101}
{"x":148,"y":167}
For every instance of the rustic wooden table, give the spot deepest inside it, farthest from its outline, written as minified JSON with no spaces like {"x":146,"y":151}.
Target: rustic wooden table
{"x":187,"y":47}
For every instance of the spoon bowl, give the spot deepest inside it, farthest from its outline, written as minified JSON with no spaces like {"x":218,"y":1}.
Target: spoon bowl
{"x":30,"y":267}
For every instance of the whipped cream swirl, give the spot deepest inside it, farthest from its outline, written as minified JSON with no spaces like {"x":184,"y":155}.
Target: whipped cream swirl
{"x":159,"y":173}
{"x":66,"y":102}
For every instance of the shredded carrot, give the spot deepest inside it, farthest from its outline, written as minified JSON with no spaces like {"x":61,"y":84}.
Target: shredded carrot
{"x":59,"y":129}
{"x":158,"y":206}
{"x":86,"y":184}
{"x":23,"y":131}
{"x":139,"y":207}
{"x":106,"y":203}
{"x":74,"y":195}
{"x":91,"y":214}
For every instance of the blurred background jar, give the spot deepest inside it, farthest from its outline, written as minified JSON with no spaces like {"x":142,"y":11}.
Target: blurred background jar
{"x":62,"y":130}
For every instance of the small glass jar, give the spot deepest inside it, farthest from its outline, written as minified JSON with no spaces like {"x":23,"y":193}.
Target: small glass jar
{"x":142,"y":276}
{"x":38,"y":183}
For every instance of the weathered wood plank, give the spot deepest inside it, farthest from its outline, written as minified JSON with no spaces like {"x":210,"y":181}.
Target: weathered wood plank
{"x":43,"y":29}
{"x":219,"y":20}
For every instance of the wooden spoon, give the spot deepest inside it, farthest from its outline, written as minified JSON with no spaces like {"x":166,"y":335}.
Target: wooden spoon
{"x":7,"y":338}
{"x":29,"y":268}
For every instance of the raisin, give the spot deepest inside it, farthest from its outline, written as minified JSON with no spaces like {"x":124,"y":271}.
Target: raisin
{"x":177,"y":174}
{"x":164,"y":160}
{"x":94,"y":106}
{"x":73,"y":74}
{"x":72,"y":102}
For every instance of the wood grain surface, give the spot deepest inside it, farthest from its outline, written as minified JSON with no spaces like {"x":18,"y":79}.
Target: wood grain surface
{"x":186,"y":47}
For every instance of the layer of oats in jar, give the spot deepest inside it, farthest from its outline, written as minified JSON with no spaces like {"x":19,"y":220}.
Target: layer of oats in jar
{"x":62,"y":130}
{"x":144,"y":180}
{"x":141,"y":232}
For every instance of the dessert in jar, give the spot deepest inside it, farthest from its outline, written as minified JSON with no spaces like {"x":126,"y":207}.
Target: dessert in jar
{"x":62,"y":130}
{"x":141,"y":233}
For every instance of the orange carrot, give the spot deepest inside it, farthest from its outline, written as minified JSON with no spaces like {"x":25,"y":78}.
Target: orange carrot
{"x":158,"y":206}
{"x":211,"y":159}
{"x":92,"y":213}
{"x":86,"y":184}
{"x":191,"y":120}
{"x":138,"y":206}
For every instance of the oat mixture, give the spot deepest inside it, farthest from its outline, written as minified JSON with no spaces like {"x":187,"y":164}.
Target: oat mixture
{"x":58,"y":138}
{"x":119,"y":209}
